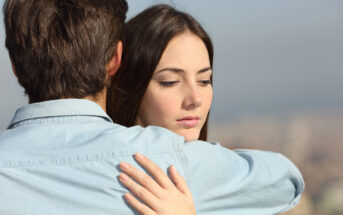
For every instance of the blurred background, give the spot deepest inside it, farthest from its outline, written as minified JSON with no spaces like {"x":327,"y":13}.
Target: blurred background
{"x":278,"y":73}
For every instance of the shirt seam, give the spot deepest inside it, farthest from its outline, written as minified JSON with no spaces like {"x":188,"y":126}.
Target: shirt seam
{"x":54,"y":119}
{"x":61,"y":161}
{"x":183,"y":163}
{"x":45,"y":121}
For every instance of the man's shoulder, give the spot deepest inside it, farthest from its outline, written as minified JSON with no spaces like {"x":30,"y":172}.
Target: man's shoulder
{"x":94,"y":140}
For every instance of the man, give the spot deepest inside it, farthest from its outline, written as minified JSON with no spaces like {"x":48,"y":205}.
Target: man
{"x":60,"y":153}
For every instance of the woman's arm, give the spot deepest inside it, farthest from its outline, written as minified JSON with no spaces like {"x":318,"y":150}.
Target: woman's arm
{"x":160,"y":195}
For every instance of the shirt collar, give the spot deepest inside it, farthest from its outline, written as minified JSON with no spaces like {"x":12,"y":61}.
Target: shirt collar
{"x":60,"y":107}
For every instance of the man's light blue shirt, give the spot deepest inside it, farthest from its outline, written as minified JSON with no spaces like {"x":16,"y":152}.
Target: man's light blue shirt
{"x":62,"y":156}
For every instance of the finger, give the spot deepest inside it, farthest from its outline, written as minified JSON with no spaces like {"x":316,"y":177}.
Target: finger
{"x":137,"y":205}
{"x":158,"y":174}
{"x":142,"y":193}
{"x":179,"y":181}
{"x":142,"y":178}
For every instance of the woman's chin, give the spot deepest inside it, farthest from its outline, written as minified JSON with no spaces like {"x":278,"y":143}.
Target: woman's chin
{"x":191,"y":139}
{"x":190,"y":135}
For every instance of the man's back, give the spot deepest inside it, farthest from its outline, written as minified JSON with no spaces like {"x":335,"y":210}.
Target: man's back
{"x":61,"y":157}
{"x":64,"y":161}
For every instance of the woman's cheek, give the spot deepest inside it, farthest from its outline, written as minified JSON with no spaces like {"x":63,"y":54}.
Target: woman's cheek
{"x":168,"y":105}
{"x":161,"y":108}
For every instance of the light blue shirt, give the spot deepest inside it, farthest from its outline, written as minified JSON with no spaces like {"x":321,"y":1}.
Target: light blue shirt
{"x":62,"y":156}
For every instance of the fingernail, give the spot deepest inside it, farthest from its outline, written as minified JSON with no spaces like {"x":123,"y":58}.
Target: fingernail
{"x":124,"y":166}
{"x":173,"y":168}
{"x":139,"y":156}
{"x":123,"y":177}
{"x":127,"y":196}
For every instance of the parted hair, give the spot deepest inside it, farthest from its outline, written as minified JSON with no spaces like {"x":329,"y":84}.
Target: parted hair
{"x":145,"y":38}
{"x":60,"y":48}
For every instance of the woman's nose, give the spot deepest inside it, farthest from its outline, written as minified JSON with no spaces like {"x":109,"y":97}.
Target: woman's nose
{"x":193,"y":98}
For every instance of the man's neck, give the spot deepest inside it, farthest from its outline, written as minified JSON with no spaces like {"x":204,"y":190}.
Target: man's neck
{"x":100,"y":99}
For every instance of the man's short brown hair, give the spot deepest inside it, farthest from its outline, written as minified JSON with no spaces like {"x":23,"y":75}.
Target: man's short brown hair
{"x":60,"y":48}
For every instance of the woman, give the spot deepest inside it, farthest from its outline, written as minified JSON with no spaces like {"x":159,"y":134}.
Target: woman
{"x":165,"y":80}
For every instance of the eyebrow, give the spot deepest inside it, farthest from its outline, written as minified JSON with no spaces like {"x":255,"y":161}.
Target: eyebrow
{"x":178,"y":70}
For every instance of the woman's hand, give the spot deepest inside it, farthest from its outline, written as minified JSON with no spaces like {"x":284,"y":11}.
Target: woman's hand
{"x":161,"y":196}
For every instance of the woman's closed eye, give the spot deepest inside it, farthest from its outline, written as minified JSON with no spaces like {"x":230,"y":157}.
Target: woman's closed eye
{"x":168,"y":83}
{"x":205,"y":82}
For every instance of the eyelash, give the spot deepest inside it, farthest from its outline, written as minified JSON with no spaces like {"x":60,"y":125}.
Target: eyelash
{"x":168,"y":83}
{"x":205,"y":82}
{"x":173,"y":83}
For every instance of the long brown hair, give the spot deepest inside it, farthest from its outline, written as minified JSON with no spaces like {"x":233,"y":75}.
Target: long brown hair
{"x":145,"y":38}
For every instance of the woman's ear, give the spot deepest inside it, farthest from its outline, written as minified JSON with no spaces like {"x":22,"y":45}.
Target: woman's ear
{"x":115,"y":62}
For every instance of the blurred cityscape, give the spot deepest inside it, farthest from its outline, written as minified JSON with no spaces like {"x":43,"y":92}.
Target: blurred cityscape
{"x":314,"y":142}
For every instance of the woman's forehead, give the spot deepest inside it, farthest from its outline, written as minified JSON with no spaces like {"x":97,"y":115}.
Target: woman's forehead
{"x":185,"y":51}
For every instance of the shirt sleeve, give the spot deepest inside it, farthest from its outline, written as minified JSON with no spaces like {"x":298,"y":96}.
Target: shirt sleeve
{"x":242,"y":182}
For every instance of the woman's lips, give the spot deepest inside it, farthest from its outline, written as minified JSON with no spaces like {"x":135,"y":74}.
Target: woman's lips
{"x":189,"y":121}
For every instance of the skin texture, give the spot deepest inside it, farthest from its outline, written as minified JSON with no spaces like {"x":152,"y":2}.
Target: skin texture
{"x":180,"y":88}
{"x":161,"y":195}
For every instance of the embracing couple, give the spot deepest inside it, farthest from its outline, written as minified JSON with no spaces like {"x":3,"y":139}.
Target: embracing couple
{"x":117,"y":120}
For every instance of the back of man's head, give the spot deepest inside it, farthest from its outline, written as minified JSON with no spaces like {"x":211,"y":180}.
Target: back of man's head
{"x":60,"y":48}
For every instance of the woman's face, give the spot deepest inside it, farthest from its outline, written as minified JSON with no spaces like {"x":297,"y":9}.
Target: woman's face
{"x":179,"y":94}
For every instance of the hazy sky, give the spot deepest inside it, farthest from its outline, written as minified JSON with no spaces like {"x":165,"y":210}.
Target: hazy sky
{"x":271,"y":56}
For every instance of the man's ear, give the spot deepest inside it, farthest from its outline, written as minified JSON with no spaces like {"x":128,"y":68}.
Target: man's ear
{"x":13,"y":69}
{"x":114,"y":64}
